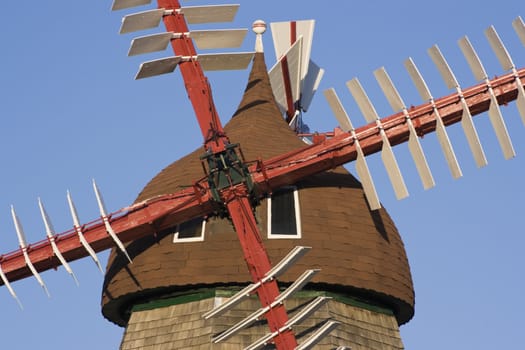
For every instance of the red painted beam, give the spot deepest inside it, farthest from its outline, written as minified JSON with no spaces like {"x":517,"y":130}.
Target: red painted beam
{"x":196,"y":83}
{"x":128,"y":223}
{"x":340,"y":149}
{"x":238,"y":204}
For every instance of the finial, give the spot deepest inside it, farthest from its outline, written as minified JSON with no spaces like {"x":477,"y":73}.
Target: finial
{"x":259,"y":27}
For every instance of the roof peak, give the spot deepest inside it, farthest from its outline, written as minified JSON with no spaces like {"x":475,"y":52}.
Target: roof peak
{"x":259,"y":27}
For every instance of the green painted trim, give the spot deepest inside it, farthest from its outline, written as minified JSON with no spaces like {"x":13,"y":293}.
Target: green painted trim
{"x":187,"y":297}
{"x":202,"y":294}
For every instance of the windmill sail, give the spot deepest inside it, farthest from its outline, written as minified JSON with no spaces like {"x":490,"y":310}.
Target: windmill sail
{"x":285,"y":36}
{"x":285,"y":78}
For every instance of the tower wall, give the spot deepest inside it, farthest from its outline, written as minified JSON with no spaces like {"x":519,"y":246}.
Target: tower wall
{"x":160,"y":326}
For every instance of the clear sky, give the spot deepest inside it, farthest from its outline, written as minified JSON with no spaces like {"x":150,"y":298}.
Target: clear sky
{"x":71,"y":111}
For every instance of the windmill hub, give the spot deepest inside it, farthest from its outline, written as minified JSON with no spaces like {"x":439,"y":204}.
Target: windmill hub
{"x":225,"y":170}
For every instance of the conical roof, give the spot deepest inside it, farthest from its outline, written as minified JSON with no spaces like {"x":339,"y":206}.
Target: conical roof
{"x":358,"y":250}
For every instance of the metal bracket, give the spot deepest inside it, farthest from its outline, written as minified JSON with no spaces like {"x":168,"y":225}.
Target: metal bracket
{"x":226,"y":169}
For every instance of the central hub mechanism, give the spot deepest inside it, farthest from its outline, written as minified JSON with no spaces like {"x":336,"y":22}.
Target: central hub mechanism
{"x":227,"y":169}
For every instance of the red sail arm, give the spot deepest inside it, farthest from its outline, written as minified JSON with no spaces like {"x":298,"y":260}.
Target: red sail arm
{"x":129,"y":224}
{"x":197,"y":85}
{"x":340,"y":149}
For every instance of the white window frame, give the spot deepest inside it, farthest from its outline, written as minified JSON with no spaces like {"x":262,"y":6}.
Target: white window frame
{"x":297,"y":214}
{"x":200,"y":238}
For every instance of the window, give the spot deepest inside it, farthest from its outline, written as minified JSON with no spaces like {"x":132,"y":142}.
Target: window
{"x":284,"y":216}
{"x":190,"y":231}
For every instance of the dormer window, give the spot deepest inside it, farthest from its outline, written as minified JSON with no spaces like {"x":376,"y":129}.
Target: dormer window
{"x":284,"y":214}
{"x":190,"y":231}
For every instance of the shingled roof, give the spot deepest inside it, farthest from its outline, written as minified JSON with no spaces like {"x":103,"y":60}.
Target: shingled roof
{"x":359,"y":251}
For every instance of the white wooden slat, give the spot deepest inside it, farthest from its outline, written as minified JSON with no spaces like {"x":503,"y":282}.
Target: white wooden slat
{"x":297,"y":285}
{"x":414,"y":146}
{"x":499,"y":49}
{"x":23,"y":246}
{"x":105,"y":219}
{"x":282,"y":34}
{"x":141,"y":21}
{"x":519,"y":27}
{"x":446,"y":146}
{"x":261,"y":342}
{"x":311,"y":84}
{"x":466,"y":120}
{"x":337,"y":108}
{"x":366,"y":179}
{"x":418,"y":80}
{"x":472,"y":59}
{"x":225,"y":61}
{"x":472,"y":136}
{"x":290,"y":62}
{"x":124,"y":4}
{"x":150,"y":43}
{"x":392,"y":168}
{"x":210,"y":13}
{"x":80,"y":234}
{"x":240,"y":325}
{"x":50,"y":232}
{"x":507,"y":64}
{"x":9,"y":287}
{"x":494,"y":112}
{"x":295,"y":254}
{"x":158,"y":67}
{"x":260,"y":312}
{"x":233,"y":301}
{"x":204,"y":39}
{"x":387,"y":155}
{"x":520,"y":102}
{"x":441,"y":132}
{"x":289,"y":260}
{"x":496,"y":119}
{"x":363,"y":102}
{"x":312,"y":339}
{"x":361,"y":166}
{"x":305,"y":312}
{"x":416,"y":151}
{"x":443,"y":67}
{"x":218,"y":38}
{"x":318,"y":335}
{"x":390,"y":91}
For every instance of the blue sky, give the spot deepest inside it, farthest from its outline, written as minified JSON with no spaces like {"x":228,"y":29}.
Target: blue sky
{"x":71,"y":111}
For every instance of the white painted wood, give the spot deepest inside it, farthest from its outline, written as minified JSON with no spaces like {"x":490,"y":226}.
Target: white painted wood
{"x":414,"y":146}
{"x":441,"y":132}
{"x":141,"y":21}
{"x":124,"y":4}
{"x":158,"y":67}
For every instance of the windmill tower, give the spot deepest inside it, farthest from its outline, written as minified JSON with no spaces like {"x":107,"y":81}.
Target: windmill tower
{"x":276,"y":258}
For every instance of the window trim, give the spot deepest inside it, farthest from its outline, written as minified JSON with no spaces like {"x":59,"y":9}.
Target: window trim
{"x":199,"y":238}
{"x":297,"y":213}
